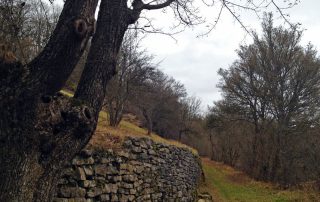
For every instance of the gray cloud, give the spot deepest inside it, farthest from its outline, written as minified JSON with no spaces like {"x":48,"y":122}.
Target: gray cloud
{"x":195,"y":61}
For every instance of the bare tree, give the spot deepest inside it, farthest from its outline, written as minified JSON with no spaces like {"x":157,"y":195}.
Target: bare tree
{"x":160,"y":103}
{"x":226,"y":125}
{"x":277,"y":81}
{"x":134,"y":67}
{"x":189,"y":112}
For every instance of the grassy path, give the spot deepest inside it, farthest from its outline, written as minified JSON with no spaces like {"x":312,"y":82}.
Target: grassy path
{"x":228,"y":185}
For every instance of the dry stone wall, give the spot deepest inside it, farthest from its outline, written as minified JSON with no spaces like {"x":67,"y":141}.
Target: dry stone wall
{"x":141,"y":171}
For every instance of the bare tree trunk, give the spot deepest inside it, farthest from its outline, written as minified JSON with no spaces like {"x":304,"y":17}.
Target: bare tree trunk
{"x":37,"y":140}
{"x":41,"y":130}
{"x":102,"y":58}
{"x":149,"y":121}
{"x":115,"y":112}
{"x":37,"y":126}
{"x":212,"y":146}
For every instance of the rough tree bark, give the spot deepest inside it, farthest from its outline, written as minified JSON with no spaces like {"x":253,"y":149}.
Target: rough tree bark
{"x":40,"y":129}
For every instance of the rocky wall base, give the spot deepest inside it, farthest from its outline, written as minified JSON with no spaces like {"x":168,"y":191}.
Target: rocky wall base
{"x":141,"y":171}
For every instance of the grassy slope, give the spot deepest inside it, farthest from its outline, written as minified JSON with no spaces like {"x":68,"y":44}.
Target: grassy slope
{"x":222,"y":182}
{"x":109,"y":137}
{"x":227,"y":184}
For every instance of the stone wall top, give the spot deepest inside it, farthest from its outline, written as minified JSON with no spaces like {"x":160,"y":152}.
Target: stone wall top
{"x":142,"y":170}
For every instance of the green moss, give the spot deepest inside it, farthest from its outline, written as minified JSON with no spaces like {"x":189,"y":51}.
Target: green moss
{"x":67,"y":93}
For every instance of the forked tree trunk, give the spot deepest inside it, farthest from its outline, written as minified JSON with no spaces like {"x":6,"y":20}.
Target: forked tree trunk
{"x":38,"y":136}
{"x":115,"y":109}
{"x":41,"y":130}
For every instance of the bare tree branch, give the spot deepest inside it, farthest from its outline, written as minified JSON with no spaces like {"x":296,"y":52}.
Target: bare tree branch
{"x":236,"y":17}
{"x":282,"y":14}
{"x":138,"y":4}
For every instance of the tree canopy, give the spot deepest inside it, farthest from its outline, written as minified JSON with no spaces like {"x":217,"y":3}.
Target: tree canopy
{"x":272,"y":91}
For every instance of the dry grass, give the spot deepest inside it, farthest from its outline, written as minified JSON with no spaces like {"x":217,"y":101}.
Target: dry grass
{"x":110,"y":137}
{"x":107,"y":137}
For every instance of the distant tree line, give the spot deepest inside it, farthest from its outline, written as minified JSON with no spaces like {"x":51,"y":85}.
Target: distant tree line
{"x":267,"y":123}
{"x":139,"y":87}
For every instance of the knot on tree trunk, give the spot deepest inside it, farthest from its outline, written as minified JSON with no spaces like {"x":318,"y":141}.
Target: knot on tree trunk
{"x":63,"y":122}
{"x":80,"y":28}
{"x":84,"y":27}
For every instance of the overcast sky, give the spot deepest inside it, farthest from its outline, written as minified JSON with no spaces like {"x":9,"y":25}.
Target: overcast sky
{"x":195,"y":61}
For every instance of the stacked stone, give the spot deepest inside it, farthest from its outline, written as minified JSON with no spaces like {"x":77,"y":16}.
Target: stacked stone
{"x":141,"y":171}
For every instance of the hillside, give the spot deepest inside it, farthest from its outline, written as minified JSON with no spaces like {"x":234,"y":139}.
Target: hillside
{"x":223,"y":182}
{"x":123,"y":164}
{"x":110,"y":137}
